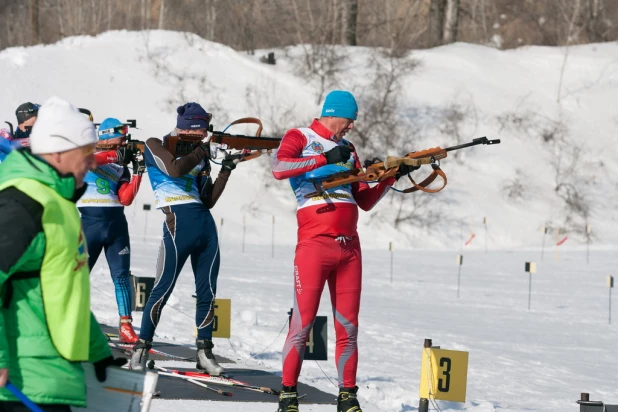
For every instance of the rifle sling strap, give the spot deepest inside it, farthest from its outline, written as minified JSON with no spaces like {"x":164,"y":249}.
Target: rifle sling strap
{"x":422,"y":186}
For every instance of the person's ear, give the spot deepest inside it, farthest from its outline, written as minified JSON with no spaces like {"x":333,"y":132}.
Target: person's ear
{"x":57,"y":158}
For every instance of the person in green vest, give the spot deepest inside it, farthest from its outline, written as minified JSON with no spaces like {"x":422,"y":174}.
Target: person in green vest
{"x":46,"y":327}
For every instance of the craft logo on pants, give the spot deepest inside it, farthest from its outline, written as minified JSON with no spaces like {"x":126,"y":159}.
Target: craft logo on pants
{"x":299,"y":288}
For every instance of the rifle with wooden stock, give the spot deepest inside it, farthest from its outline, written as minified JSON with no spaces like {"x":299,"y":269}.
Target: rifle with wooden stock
{"x":376,"y":172}
{"x":249,"y":147}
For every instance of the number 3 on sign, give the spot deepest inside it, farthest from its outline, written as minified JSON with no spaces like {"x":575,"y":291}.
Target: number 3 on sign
{"x":444,"y":375}
{"x":444,"y":384}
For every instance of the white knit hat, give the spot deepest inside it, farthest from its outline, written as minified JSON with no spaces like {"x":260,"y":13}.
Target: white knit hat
{"x":60,"y":127}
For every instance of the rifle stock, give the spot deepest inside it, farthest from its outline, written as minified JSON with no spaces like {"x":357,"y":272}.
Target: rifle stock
{"x":136,"y":145}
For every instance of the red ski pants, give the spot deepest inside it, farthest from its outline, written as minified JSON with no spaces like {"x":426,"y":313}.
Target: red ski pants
{"x":318,"y":260}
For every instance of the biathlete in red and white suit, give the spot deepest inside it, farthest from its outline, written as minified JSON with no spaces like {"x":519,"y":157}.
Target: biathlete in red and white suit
{"x":328,"y":248}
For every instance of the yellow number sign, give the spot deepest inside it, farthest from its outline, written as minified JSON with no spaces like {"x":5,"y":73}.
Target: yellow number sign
{"x":221,"y":324}
{"x":444,"y":375}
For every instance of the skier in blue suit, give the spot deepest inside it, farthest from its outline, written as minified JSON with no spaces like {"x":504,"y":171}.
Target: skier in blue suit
{"x":110,"y":187}
{"x":179,"y":172}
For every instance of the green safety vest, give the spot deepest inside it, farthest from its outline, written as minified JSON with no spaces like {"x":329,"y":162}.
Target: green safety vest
{"x":46,"y":327}
{"x":65,"y":283}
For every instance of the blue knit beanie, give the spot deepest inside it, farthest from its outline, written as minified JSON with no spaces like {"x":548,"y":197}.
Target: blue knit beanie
{"x":111,"y":128}
{"x":340,"y":103}
{"x":192,"y":116}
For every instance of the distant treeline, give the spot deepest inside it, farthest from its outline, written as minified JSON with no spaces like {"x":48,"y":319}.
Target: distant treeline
{"x":261,"y":24}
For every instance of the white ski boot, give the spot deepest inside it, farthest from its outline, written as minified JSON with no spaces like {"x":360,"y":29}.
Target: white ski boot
{"x":139,"y":358}
{"x":205,"y":359}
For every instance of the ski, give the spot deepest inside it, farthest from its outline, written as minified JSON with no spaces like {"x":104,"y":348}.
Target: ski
{"x":127,"y":347}
{"x":196,"y":382}
{"x":217,"y":380}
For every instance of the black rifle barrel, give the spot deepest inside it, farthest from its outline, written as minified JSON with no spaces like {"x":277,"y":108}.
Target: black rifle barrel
{"x":242,"y":136}
{"x":474,"y":142}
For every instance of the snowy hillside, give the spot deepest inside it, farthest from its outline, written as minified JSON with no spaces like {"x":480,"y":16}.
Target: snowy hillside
{"x":509,"y":95}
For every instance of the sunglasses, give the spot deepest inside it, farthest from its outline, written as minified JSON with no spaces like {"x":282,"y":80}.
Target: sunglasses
{"x":87,"y":150}
{"x":123,"y":130}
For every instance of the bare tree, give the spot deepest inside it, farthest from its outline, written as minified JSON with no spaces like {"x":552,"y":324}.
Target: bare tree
{"x":350,"y":15}
{"x":322,"y":64}
{"x":60,"y":13}
{"x":161,"y":15}
{"x":515,"y":189}
{"x":596,"y":26}
{"x":436,"y":22}
{"x":382,"y":125}
{"x":568,"y":161}
{"x":109,"y":14}
{"x":128,"y":15}
{"x":570,"y":11}
{"x":187,"y":83}
{"x":451,"y":21}
{"x":379,"y":124}
{"x":211,"y":19}
{"x":34,"y":22}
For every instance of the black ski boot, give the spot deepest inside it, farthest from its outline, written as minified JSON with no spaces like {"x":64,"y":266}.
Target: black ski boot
{"x":288,"y":399}
{"x":347,"y":402}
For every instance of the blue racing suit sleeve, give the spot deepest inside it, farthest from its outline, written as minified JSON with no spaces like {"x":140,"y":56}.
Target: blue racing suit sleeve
{"x":5,"y":145}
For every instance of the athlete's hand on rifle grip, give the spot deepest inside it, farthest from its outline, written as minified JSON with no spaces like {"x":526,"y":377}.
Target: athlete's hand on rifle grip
{"x":372,"y":161}
{"x":404,"y":169}
{"x":338,"y":154}
{"x":141,"y":167}
{"x":205,"y":147}
{"x":228,"y":165}
{"x":125,"y":155}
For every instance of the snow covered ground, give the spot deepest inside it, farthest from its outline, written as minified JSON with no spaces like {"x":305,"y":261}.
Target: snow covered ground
{"x":520,"y":360}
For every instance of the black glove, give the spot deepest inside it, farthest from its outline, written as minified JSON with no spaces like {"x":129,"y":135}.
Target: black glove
{"x":228,"y":165}
{"x":338,"y":154}
{"x":141,"y":167}
{"x":404,"y":169}
{"x":125,"y":155}
{"x":101,"y":366}
{"x":372,"y":161}
{"x":205,"y":147}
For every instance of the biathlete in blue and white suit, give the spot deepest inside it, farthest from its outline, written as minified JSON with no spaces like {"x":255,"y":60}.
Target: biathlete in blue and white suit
{"x":179,"y":172}
{"x":110,"y":188}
